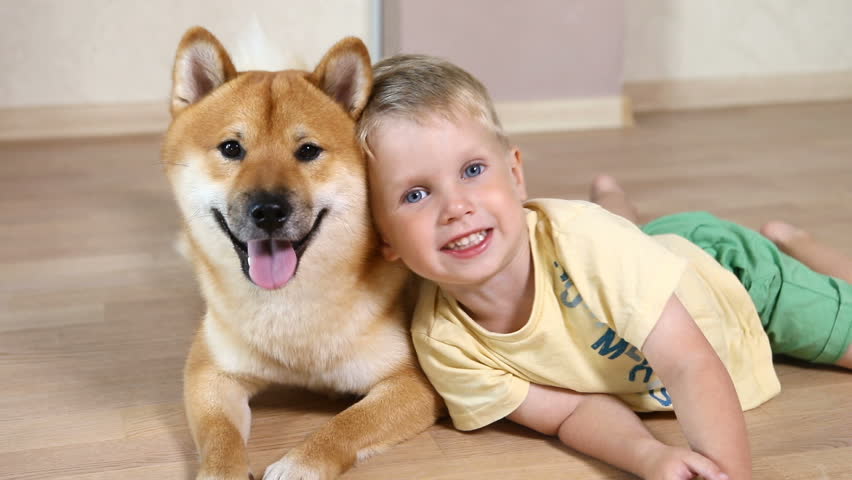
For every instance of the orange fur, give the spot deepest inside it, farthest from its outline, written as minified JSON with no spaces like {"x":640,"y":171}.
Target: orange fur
{"x":341,"y":323}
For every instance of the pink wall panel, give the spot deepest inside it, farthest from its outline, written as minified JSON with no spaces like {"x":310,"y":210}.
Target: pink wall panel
{"x":521,"y":50}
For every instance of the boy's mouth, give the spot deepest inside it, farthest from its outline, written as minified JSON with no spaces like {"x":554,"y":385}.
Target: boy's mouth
{"x":468,"y":245}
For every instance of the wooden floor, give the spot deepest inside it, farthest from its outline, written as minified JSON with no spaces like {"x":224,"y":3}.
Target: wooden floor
{"x":97,"y":309}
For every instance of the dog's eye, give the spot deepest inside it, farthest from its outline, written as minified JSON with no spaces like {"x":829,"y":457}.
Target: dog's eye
{"x":308,"y":152}
{"x":232,"y":149}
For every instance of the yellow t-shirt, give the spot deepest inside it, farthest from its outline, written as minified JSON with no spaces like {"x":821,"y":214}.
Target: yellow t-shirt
{"x":600,"y":287}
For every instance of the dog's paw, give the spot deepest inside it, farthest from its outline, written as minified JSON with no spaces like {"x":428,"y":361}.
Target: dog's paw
{"x":289,"y":469}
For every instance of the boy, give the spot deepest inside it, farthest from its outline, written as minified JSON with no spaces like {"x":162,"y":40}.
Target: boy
{"x":562,"y":316}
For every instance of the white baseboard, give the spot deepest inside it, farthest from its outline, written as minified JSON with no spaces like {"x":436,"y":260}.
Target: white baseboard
{"x":153,"y":118}
{"x":83,"y":121}
{"x":690,"y":94}
{"x":517,"y":117}
{"x":565,"y":114}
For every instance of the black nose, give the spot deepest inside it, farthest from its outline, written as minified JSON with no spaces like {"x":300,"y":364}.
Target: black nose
{"x":269,"y":213}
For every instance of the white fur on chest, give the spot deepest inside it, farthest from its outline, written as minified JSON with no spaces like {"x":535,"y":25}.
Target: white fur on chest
{"x":327,"y":347}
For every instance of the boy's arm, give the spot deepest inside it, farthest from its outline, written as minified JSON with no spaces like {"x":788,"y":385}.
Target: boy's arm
{"x":703,"y":395}
{"x":603,"y":427}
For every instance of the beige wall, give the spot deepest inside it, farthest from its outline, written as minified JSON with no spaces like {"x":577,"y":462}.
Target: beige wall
{"x":522,"y":50}
{"x":60,"y":52}
{"x":690,"y":39}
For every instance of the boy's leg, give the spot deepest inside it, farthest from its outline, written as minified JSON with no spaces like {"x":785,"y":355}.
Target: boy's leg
{"x":806,"y":313}
{"x":821,"y":258}
{"x":607,"y":193}
{"x":846,"y":360}
{"x":800,"y":245}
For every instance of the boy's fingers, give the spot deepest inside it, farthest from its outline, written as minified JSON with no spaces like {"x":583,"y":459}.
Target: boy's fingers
{"x":705,"y":467}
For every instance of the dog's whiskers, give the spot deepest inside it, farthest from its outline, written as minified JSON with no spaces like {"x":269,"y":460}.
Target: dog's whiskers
{"x":199,"y":214}
{"x":174,"y":163}
{"x":347,"y":226}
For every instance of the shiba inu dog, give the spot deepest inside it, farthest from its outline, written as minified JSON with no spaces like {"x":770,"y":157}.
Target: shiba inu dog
{"x":271,"y":183}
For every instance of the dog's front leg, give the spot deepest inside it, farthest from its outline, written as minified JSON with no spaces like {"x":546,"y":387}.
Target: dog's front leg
{"x":396,"y":409}
{"x":219,"y":417}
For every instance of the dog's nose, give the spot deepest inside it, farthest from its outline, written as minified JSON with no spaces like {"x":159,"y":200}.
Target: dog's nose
{"x":269,"y":215}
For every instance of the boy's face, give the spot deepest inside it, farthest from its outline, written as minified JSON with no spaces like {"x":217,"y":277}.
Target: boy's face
{"x":447,"y":197}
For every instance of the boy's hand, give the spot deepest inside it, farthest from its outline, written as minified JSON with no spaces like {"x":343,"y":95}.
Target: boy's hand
{"x":703,"y":394}
{"x":673,"y":463}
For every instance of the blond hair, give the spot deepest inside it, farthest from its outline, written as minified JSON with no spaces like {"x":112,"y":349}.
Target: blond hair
{"x":412,"y":87}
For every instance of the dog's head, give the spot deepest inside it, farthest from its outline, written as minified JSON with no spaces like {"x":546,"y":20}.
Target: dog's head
{"x":263,"y":164}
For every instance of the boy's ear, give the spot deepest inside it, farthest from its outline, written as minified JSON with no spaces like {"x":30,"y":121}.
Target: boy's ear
{"x":389,"y":253}
{"x":517,"y":167}
{"x":201,"y":66}
{"x":346,"y":75}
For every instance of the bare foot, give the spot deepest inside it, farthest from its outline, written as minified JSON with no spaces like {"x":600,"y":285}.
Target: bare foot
{"x":607,"y":193}
{"x":783,"y":234}
{"x":603,"y":185}
{"x":800,"y":245}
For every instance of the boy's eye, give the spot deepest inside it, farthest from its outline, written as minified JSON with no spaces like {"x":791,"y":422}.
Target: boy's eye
{"x":415,"y":196}
{"x":474,"y":170}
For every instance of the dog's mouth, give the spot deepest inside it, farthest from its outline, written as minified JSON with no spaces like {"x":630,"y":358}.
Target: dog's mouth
{"x":269,"y":263}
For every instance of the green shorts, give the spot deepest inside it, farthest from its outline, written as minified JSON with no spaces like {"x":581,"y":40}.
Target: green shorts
{"x":807,"y":315}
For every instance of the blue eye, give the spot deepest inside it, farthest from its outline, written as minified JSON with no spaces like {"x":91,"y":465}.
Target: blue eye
{"x":415,"y":196}
{"x":474,"y":170}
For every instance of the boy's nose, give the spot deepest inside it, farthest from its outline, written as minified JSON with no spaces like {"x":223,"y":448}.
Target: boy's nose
{"x":456,"y":208}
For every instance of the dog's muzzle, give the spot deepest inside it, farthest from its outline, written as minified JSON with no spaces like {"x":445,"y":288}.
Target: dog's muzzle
{"x":271,"y":260}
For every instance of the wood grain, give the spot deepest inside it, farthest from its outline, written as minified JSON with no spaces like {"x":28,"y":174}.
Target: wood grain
{"x":97,"y":309}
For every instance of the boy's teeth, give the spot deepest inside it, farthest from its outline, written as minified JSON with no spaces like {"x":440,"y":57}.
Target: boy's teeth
{"x":469,"y":241}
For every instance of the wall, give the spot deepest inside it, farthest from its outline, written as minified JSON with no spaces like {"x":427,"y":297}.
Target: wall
{"x":532,"y":50}
{"x":542,"y":59}
{"x":684,"y":39}
{"x":68,"y":52}
{"x":548,"y":64}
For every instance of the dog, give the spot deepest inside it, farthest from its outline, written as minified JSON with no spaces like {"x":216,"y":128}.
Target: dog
{"x":270,"y":181}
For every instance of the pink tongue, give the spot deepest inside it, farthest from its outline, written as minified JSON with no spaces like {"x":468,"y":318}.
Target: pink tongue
{"x":271,"y":263}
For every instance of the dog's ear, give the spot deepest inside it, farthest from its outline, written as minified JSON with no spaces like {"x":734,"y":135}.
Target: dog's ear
{"x":345,"y":74}
{"x":201,"y":66}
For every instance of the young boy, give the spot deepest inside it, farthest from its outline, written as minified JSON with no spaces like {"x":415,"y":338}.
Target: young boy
{"x":562,"y":316}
